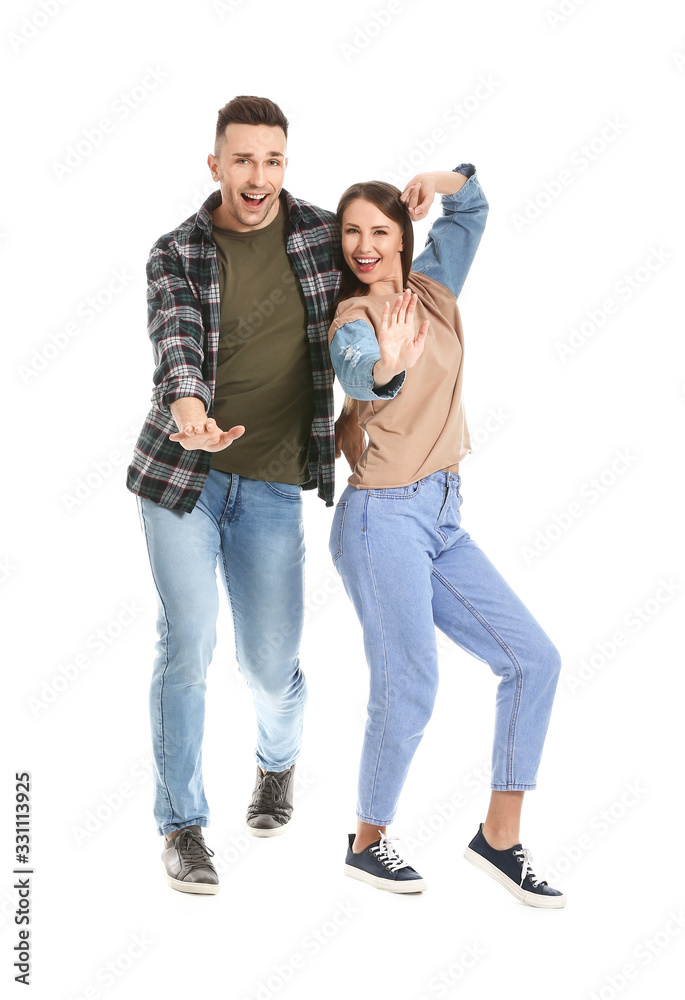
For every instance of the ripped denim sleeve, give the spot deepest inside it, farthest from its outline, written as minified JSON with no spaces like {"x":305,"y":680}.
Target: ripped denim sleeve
{"x":354,"y":352}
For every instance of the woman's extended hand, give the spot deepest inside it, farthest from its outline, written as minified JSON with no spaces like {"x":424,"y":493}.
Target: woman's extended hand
{"x":400,"y":345}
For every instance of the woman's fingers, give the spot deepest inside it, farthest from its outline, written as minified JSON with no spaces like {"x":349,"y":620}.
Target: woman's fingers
{"x":423,"y":330}
{"x":404,"y":302}
{"x":384,"y":317}
{"x":411,"y":308}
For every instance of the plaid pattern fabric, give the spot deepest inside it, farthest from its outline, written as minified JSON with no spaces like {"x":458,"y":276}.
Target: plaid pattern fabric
{"x":183,"y":325}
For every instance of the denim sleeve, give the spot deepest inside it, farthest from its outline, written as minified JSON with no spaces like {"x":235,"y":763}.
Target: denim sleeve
{"x":454,"y":236}
{"x":354,"y":352}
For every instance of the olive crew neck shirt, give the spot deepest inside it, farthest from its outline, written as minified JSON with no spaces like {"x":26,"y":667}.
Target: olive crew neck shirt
{"x":422,"y":428}
{"x":264,"y":376}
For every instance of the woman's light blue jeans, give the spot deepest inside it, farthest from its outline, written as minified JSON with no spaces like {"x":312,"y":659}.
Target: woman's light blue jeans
{"x":407,"y":566}
{"x":254,"y":530}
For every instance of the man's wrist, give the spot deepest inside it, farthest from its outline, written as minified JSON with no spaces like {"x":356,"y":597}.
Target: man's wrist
{"x":188,"y":410}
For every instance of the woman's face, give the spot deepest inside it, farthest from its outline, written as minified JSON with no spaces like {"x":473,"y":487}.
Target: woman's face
{"x":371,"y":243}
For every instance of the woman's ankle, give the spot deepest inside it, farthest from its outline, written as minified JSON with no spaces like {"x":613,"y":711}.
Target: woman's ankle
{"x":367,"y":834}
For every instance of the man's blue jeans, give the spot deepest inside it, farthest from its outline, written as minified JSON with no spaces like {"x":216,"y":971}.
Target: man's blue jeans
{"x":408,"y":566}
{"x":254,"y":530}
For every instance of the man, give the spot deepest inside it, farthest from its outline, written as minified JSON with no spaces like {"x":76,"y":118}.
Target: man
{"x":240,"y":299}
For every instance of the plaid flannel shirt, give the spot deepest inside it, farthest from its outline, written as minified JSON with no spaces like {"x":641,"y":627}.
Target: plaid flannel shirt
{"x":183,"y":325}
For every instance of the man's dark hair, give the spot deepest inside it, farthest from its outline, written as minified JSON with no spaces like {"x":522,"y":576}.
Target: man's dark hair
{"x":248,"y":111}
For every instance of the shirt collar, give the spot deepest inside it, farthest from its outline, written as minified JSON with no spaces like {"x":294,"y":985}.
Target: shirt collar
{"x":203,"y":219}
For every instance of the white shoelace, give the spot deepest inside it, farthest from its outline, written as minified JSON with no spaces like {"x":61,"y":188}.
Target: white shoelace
{"x":526,"y":858}
{"x":387,"y":854}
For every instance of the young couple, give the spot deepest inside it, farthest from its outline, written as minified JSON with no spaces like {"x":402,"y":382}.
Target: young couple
{"x":255,"y":303}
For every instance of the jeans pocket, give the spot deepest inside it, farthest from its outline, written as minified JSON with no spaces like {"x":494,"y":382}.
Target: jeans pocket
{"x":288,"y":490}
{"x":335,"y":543}
{"x":398,"y":492}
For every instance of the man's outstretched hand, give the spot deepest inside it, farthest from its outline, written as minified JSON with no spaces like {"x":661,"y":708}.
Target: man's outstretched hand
{"x":206,"y":436}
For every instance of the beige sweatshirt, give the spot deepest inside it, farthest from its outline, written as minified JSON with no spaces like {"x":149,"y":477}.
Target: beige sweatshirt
{"x":422,"y":429}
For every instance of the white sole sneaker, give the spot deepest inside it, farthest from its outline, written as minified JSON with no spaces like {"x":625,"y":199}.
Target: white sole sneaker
{"x":531,"y":898}
{"x":390,"y":885}
{"x":203,"y":888}
{"x":275,"y":832}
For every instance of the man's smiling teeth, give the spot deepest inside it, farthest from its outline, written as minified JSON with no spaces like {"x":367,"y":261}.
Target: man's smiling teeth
{"x":255,"y":197}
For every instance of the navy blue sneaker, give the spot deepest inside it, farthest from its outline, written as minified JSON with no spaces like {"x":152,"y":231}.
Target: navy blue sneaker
{"x":511,"y":868}
{"x":381,"y":866}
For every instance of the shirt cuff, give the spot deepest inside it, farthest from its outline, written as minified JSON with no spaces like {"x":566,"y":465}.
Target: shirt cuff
{"x":391,"y":388}
{"x":178,"y":388}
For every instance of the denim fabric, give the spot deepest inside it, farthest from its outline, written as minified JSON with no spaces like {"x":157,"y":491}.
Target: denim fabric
{"x":450,"y":248}
{"x":254,"y":530}
{"x":446,"y":581}
{"x":354,"y":352}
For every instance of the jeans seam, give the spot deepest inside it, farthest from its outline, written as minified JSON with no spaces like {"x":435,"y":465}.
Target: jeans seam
{"x":385,"y":669}
{"x":166,"y":665}
{"x":517,"y":666}
{"x":230,"y":601}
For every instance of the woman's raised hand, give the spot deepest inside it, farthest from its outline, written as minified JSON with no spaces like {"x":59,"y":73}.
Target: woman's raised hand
{"x":400,"y":345}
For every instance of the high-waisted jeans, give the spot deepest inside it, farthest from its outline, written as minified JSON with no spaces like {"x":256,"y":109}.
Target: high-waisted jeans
{"x":254,"y":530}
{"x":407,"y":566}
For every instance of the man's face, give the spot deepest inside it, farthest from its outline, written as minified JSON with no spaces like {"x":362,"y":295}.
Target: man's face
{"x":250,"y":170}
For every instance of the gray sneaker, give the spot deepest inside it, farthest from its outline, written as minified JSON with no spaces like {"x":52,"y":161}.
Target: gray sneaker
{"x":186,"y":862}
{"x":271,"y":808}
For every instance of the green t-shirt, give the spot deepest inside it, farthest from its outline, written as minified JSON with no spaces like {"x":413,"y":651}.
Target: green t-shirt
{"x":264,"y":375}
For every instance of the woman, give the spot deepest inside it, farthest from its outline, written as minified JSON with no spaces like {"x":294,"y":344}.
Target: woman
{"x":396,"y":344}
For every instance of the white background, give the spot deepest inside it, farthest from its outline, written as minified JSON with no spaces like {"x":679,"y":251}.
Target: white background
{"x":605,"y":823}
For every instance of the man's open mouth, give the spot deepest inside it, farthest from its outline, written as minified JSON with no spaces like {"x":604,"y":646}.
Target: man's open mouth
{"x":366,"y":263}
{"x":254,"y":200}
